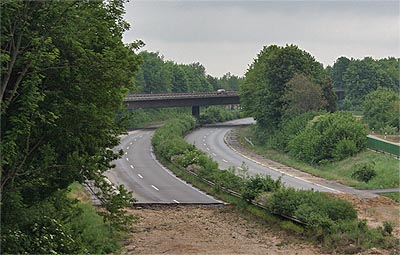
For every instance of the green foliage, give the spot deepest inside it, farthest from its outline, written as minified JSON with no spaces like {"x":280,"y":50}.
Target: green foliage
{"x":290,"y":128}
{"x":265,"y":85}
{"x":228,"y":81}
{"x":362,"y":77}
{"x":316,"y":209}
{"x":302,"y":95}
{"x":214,"y":114}
{"x":338,"y":70}
{"x":381,"y":110}
{"x":364,"y":172}
{"x":331,"y":136}
{"x":157,"y":75}
{"x":64,"y":74}
{"x":348,"y":237}
{"x":58,"y":225}
{"x":255,"y":185}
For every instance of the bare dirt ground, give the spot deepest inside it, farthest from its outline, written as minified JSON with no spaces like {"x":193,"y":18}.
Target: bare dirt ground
{"x":206,"y":230}
{"x":376,"y":211}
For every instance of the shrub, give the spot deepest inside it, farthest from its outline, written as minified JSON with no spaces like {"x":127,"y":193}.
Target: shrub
{"x":364,"y":172}
{"x":215,"y":114}
{"x":255,"y":185}
{"x":291,"y":128}
{"x":331,"y":136}
{"x":314,"y":208}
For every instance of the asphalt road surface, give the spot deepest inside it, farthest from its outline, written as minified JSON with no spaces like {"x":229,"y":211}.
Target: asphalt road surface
{"x":150,"y":182}
{"x":210,"y":139}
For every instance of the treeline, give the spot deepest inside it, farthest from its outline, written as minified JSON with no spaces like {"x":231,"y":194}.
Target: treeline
{"x":291,"y":96}
{"x":328,"y":221}
{"x":360,"y":77}
{"x":64,"y":74}
{"x":156,"y":75}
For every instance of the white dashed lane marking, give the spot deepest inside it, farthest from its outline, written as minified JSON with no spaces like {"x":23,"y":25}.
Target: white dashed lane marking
{"x":127,"y":159}
{"x":154,"y":187}
{"x":140,"y":176}
{"x":225,"y":160}
{"x":176,"y":201}
{"x":132,"y":167}
{"x":127,"y":148}
{"x":214,"y":154}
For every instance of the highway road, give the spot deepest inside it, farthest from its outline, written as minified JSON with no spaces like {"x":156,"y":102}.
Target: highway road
{"x":150,"y":182}
{"x":210,"y":139}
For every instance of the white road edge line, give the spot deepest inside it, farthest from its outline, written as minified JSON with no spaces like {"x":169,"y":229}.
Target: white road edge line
{"x":316,"y":184}
{"x":154,"y":187}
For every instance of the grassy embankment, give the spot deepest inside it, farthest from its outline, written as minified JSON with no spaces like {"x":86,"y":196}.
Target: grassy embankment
{"x":386,"y":167}
{"x":97,"y":234}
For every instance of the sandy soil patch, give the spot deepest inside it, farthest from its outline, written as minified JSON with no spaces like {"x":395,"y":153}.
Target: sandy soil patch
{"x":206,"y":230}
{"x":376,"y":210}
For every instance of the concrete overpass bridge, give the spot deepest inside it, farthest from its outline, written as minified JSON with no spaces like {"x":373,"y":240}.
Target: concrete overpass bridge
{"x":194,"y":100}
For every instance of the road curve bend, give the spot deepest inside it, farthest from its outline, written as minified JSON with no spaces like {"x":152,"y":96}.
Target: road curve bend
{"x":150,"y":182}
{"x":211,"y":140}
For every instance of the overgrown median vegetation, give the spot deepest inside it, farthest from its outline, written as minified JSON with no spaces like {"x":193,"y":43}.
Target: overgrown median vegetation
{"x":331,"y":222}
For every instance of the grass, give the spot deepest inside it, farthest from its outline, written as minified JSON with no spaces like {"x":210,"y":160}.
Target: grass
{"x":395,"y":196}
{"x":387,"y":167}
{"x":96,"y":235}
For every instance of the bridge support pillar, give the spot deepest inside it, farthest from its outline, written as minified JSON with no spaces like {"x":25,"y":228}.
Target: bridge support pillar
{"x":196,"y":111}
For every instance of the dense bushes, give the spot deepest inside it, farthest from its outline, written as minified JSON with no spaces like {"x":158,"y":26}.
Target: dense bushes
{"x":290,"y":128}
{"x":215,"y":114}
{"x":314,"y":208}
{"x":329,"y":137}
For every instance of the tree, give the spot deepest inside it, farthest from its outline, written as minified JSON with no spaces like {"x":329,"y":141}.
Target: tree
{"x":363,"y":77}
{"x":302,"y":96}
{"x":338,"y":70}
{"x":65,"y":72}
{"x":265,"y":82}
{"x":381,"y":109}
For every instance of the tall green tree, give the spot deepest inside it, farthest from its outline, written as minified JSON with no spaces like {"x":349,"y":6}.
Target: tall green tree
{"x":262,"y":93}
{"x":65,"y":72}
{"x":382,"y":109}
{"x":338,"y":70}
{"x":302,"y":96}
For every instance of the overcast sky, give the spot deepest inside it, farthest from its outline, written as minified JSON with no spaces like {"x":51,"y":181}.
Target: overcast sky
{"x":225,"y":36}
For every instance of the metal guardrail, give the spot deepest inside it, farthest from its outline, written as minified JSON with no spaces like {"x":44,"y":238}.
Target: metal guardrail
{"x":237,"y":194}
{"x":382,"y":146}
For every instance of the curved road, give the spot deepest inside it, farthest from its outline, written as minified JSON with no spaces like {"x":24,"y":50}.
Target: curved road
{"x":140,"y":172}
{"x":210,"y":139}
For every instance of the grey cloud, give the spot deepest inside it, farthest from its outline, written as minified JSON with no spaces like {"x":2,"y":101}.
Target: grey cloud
{"x":326,"y":28}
